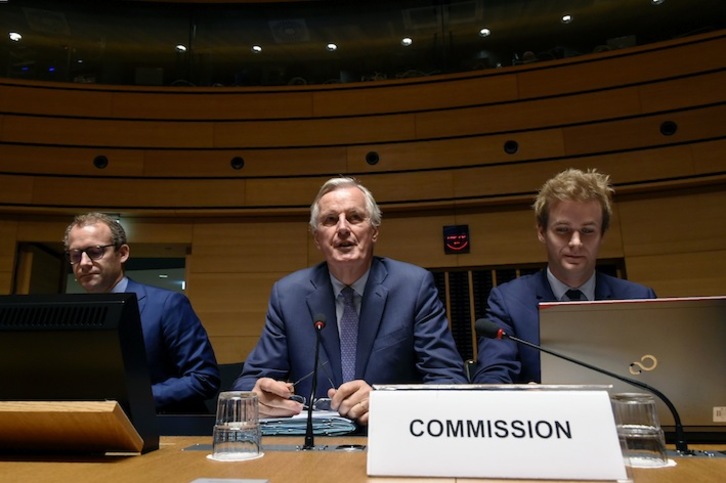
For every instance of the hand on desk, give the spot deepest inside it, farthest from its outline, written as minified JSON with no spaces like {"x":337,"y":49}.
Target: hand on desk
{"x":351,"y":400}
{"x":274,"y":398}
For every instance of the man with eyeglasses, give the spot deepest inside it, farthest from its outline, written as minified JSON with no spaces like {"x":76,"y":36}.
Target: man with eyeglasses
{"x":182,"y":364}
{"x":400,"y":333}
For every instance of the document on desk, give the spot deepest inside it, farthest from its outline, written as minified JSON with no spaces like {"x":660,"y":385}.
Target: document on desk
{"x":325,"y":423}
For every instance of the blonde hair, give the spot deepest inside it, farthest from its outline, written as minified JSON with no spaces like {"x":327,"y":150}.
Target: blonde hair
{"x":118,"y":233}
{"x":575,"y":185}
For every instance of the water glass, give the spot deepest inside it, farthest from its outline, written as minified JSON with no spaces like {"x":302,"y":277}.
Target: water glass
{"x":237,"y":433}
{"x":639,"y":430}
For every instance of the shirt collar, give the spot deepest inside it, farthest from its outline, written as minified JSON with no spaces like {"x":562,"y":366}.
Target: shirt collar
{"x":121,"y":286}
{"x":358,"y":286}
{"x":559,"y":288}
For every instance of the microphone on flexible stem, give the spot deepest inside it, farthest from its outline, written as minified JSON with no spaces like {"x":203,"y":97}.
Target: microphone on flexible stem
{"x":319,"y":325}
{"x":487,"y":328}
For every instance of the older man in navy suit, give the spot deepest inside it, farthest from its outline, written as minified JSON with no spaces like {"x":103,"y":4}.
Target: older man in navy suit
{"x":182,"y":365}
{"x":573,"y":212}
{"x":402,"y":334}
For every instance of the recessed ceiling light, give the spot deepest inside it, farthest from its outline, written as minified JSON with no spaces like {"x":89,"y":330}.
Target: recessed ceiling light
{"x":331,"y":47}
{"x":657,"y":2}
{"x":256,"y":49}
{"x":485,"y":32}
{"x":15,"y":37}
{"x":406,"y":41}
{"x":181,"y":48}
{"x":567,"y":18}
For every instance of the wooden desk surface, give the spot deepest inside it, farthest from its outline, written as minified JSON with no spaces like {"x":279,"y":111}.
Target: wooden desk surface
{"x":177,"y":460}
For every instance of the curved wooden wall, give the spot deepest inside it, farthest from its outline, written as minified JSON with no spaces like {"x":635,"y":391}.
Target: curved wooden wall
{"x":653,"y":117}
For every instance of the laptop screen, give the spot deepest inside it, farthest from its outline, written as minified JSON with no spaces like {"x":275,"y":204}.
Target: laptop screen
{"x":675,"y":345}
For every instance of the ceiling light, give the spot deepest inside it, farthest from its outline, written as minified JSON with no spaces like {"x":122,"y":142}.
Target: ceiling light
{"x":485,"y":32}
{"x":15,"y":37}
{"x":657,"y":2}
{"x":567,"y":18}
{"x":256,"y":49}
{"x":331,"y":47}
{"x":406,"y":41}
{"x":181,"y":48}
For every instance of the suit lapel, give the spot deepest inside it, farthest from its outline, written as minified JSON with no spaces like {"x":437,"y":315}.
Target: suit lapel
{"x":321,"y":301}
{"x":371,"y":315}
{"x":543,"y":290}
{"x":140,"y":292}
{"x":603,"y":290}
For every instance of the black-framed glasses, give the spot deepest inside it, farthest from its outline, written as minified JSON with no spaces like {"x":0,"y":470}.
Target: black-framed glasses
{"x":94,"y":253}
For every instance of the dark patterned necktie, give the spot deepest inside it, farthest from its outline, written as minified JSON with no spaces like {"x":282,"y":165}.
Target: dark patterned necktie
{"x":574,"y":295}
{"x":348,"y":335}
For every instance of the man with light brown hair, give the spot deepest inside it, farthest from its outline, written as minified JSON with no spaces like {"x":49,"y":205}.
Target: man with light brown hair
{"x":181,"y":360}
{"x":573,"y":211}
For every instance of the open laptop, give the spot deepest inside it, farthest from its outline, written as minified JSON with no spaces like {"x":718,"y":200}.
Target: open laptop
{"x":676,"y":345}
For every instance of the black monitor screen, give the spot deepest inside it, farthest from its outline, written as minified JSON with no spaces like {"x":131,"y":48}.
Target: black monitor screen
{"x":77,"y":347}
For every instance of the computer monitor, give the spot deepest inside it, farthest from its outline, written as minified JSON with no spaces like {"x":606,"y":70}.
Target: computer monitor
{"x":77,"y":347}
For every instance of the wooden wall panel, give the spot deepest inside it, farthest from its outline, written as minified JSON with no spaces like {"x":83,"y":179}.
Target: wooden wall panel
{"x":104,"y":133}
{"x":453,"y":153}
{"x":315,"y":132}
{"x":704,"y":123}
{"x":679,"y":223}
{"x":54,"y":99}
{"x":709,"y":157}
{"x":8,"y":235}
{"x":249,"y":246}
{"x":16,"y":190}
{"x":684,"y":92}
{"x":232,"y":308}
{"x":410,"y":187}
{"x":538,"y":113}
{"x":650,"y":64}
{"x":416,"y":239}
{"x":216,"y":104}
{"x":257,"y":162}
{"x":35,"y":159}
{"x":112,"y":194}
{"x":426,"y":94}
{"x":681,"y":274}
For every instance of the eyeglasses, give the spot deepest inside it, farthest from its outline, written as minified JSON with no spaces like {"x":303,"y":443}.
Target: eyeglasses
{"x":94,"y":253}
{"x":319,"y":404}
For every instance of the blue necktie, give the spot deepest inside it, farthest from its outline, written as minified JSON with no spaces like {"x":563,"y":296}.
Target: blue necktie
{"x":348,"y":335}
{"x":575,"y":295}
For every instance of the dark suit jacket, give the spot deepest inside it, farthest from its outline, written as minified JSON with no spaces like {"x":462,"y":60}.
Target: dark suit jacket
{"x":403,"y":333}
{"x":513,"y":306}
{"x":181,"y":360}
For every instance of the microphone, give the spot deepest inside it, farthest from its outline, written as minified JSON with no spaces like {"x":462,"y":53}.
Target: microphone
{"x":487,"y":328}
{"x":318,"y":325}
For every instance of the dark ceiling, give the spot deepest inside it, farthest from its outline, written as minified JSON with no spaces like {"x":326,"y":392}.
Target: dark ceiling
{"x":134,"y":42}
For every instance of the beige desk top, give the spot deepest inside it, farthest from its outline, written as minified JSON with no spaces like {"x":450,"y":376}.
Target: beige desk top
{"x":177,"y":460}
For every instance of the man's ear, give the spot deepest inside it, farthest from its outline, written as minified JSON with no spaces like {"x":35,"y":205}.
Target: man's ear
{"x":541,"y":233}
{"x":124,"y":252}
{"x":376,"y":232}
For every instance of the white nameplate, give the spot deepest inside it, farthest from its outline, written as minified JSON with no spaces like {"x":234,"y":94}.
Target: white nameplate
{"x":531,"y":432}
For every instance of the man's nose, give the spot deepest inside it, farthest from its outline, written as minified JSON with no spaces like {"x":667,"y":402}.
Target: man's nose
{"x":85,"y":259}
{"x":575,"y":239}
{"x":343,"y":224}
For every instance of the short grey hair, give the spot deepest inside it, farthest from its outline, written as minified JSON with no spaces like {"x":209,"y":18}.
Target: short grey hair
{"x":372,"y":209}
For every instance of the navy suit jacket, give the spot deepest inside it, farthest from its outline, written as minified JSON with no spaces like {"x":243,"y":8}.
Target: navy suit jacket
{"x":403,"y":333}
{"x":181,"y":360}
{"x":514,"y":307}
